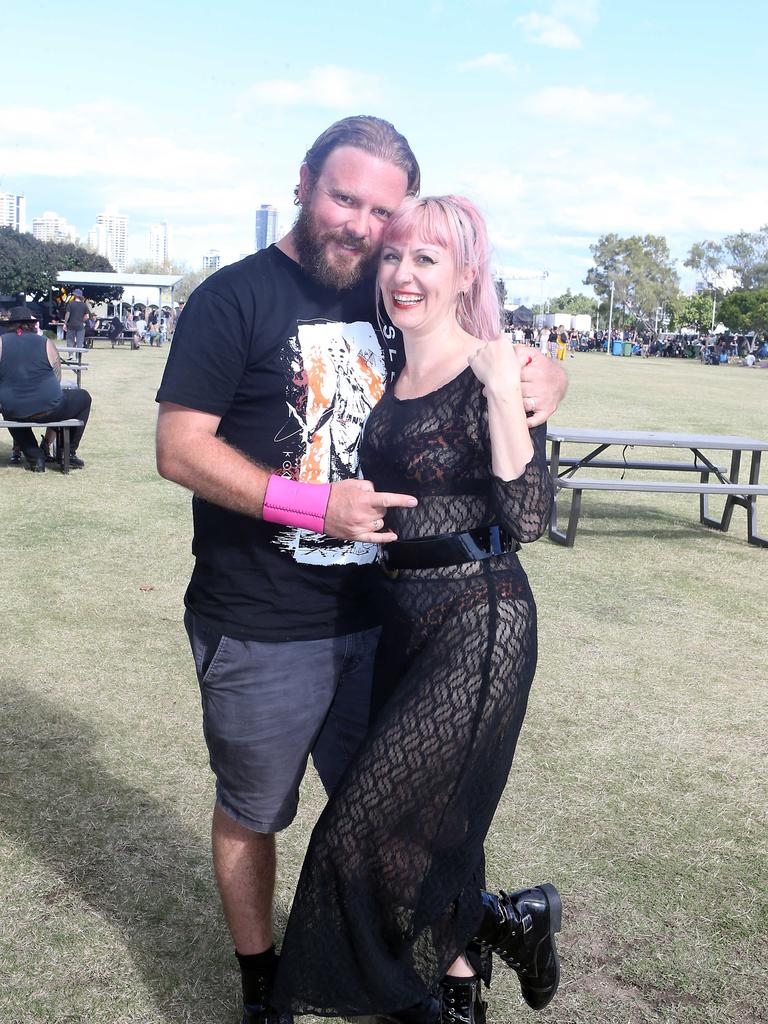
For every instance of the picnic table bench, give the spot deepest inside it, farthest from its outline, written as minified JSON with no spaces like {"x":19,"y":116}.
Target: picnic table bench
{"x":566,"y":473}
{"x":62,"y":428}
{"x":74,"y":362}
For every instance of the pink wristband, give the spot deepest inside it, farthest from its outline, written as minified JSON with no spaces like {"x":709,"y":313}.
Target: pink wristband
{"x":295,"y":504}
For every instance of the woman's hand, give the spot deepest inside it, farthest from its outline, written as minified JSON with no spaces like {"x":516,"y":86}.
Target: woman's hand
{"x":498,"y":365}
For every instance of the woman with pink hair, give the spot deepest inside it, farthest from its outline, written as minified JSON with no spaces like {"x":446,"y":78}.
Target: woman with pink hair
{"x":391,"y":915}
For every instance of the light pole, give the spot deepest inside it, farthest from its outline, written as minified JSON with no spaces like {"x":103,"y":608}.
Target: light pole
{"x":610,"y":318}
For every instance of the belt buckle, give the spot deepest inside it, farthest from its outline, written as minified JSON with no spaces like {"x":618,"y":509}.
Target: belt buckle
{"x":391,"y":574}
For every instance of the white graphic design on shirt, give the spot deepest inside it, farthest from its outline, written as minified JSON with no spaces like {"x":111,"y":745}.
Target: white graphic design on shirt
{"x":336,"y":375}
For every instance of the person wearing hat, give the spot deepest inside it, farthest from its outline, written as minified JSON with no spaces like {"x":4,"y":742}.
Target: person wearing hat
{"x":30,"y":388}
{"x":78,"y":311}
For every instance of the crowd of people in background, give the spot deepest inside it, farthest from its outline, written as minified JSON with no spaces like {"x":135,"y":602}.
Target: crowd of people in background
{"x":711,"y":349}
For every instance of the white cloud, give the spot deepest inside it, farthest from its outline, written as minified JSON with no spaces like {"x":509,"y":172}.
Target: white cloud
{"x":81,"y":143}
{"x":494,"y":61}
{"x":547,"y":30}
{"x":577,"y":103}
{"x":328,"y":86}
{"x":582,"y":11}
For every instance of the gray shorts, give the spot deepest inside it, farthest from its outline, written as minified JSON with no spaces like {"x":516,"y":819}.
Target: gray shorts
{"x":267,"y":706}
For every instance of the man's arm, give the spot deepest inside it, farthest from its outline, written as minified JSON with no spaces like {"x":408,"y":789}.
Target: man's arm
{"x":544,"y":385}
{"x":189,"y":453}
{"x":53,"y":358}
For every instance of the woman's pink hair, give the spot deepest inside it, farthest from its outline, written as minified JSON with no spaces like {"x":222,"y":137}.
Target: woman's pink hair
{"x":455,"y":224}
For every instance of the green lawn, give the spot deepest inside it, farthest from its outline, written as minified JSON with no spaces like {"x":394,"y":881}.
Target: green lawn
{"x":639,"y":786}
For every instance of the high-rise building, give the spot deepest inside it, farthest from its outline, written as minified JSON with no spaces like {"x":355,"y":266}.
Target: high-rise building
{"x":212,"y":260}
{"x":159,"y":243}
{"x":109,"y":237}
{"x":13,"y":211}
{"x":266,"y":226}
{"x":50,"y":227}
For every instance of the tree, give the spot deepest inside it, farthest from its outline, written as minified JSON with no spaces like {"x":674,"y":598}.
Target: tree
{"x":692,"y":311}
{"x":68,"y":256}
{"x":188,"y":283}
{"x":745,"y":310}
{"x":30,"y":267}
{"x":568,"y":303}
{"x":641,"y":271}
{"x":26,"y":266}
{"x":745,"y":253}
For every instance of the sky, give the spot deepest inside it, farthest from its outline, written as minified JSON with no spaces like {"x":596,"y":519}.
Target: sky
{"x":563,"y":121}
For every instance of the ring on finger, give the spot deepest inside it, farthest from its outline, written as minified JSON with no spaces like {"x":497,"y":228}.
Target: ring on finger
{"x":377,"y":524}
{"x":532,"y":404}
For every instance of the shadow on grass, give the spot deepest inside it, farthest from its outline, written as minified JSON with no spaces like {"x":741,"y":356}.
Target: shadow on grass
{"x":601,"y":517}
{"x":125,"y":853}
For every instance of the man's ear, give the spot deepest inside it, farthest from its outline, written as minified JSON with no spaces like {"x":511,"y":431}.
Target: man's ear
{"x":305,"y":183}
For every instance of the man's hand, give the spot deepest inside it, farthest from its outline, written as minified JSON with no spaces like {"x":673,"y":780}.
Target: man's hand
{"x":544,"y":385}
{"x":356,"y":511}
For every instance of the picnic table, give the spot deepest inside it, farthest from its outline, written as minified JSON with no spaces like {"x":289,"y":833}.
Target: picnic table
{"x":73,"y":360}
{"x":568,"y":472}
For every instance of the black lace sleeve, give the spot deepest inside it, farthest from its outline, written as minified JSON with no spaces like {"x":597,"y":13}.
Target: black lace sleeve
{"x":522,"y":506}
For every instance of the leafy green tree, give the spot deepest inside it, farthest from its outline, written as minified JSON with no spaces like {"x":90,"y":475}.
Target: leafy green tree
{"x":30,"y":267}
{"x":692,"y":311}
{"x":26,"y":266}
{"x":745,"y":310}
{"x":69,"y":256}
{"x":641,"y":271}
{"x":568,"y":303}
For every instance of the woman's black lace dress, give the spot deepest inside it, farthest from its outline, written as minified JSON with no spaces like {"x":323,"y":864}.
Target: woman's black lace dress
{"x":389,"y":892}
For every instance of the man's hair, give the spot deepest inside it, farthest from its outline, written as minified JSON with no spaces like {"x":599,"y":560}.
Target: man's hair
{"x":372,"y":135}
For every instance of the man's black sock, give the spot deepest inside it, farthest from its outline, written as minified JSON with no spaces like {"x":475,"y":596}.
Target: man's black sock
{"x":257,"y":971}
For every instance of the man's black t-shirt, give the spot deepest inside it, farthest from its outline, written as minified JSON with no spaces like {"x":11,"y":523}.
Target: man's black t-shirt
{"x":77,"y":311}
{"x":293,"y":369}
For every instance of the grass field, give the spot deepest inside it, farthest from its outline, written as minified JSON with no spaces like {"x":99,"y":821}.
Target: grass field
{"x":639,"y":787}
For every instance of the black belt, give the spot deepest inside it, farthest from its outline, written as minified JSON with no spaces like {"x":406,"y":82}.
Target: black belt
{"x":448,"y":549}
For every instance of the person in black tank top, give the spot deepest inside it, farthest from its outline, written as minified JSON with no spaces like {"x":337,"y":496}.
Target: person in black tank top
{"x":30,"y":388}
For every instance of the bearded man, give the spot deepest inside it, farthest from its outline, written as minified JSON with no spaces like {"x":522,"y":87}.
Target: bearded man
{"x":274,"y":364}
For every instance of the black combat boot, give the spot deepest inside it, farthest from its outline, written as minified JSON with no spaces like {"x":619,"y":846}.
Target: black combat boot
{"x":460,"y":1001}
{"x":75,"y":462}
{"x":520,"y":928}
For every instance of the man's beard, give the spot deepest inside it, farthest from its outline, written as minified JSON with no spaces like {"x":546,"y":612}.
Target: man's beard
{"x":311,"y":244}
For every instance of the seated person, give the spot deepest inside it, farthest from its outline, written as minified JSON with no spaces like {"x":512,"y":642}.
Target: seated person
{"x":30,"y":388}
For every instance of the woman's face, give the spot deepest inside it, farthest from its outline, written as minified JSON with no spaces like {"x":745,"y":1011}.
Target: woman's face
{"x":418,"y":283}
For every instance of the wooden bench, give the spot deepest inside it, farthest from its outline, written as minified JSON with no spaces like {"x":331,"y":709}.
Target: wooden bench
{"x":62,"y":428}
{"x":737,"y":494}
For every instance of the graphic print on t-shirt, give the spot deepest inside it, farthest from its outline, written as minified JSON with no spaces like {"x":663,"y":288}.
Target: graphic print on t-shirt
{"x":336,"y":373}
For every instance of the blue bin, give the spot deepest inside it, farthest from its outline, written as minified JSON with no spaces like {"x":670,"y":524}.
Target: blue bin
{"x":618,"y":348}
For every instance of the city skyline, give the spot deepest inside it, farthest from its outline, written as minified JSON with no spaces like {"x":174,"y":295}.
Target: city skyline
{"x":564,"y":120}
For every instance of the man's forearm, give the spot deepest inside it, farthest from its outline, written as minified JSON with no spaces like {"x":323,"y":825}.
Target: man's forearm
{"x":215,"y":471}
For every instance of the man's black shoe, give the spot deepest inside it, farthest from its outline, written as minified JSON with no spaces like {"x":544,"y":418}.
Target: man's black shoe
{"x":262,"y":1013}
{"x":75,"y":462}
{"x":521,"y":928}
{"x":460,"y":1001}
{"x":16,"y":458}
{"x":257,"y":992}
